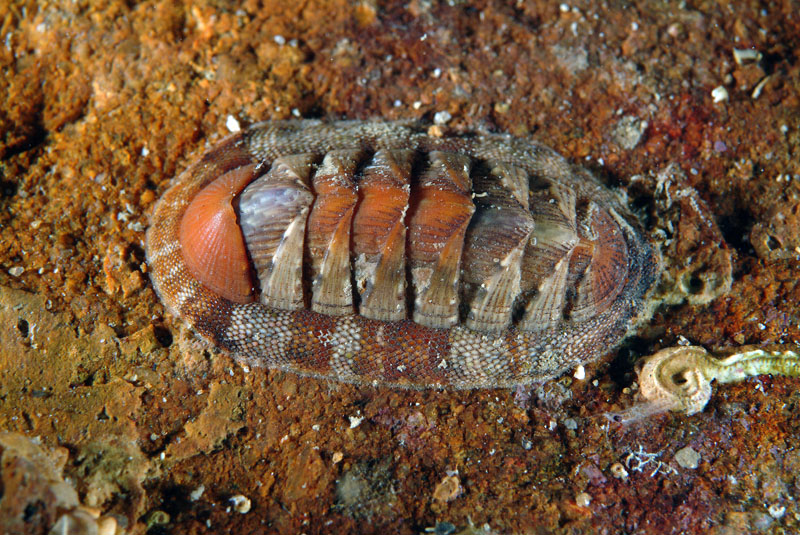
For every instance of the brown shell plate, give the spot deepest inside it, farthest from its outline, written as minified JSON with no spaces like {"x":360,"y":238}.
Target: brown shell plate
{"x":375,"y":252}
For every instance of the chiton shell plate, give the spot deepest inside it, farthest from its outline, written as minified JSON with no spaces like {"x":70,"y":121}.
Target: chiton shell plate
{"x":374,"y":252}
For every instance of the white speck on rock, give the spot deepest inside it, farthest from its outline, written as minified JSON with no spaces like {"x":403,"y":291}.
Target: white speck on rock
{"x":748,"y":55}
{"x":580,"y":373}
{"x":719,"y":94}
{"x":776,"y":510}
{"x":442,"y":117}
{"x":197,"y":493}
{"x":232,"y":124}
{"x":355,"y":421}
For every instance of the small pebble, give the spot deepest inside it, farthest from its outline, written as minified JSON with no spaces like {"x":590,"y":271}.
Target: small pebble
{"x":719,"y":94}
{"x":232,"y":124}
{"x":197,"y":493}
{"x":742,"y":56}
{"x":435,"y":131}
{"x":628,"y":132}
{"x":776,"y":510}
{"x":583,"y":499}
{"x":107,"y":526}
{"x":502,"y":107}
{"x":355,"y":421}
{"x":580,"y":373}
{"x":448,"y":489}
{"x":16,"y":271}
{"x":442,"y":117}
{"x":687,"y":458}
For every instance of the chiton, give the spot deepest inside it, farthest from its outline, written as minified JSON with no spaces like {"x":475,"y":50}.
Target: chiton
{"x":376,"y":252}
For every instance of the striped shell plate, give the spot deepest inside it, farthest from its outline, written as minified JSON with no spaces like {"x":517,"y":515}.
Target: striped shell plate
{"x":374,"y":252}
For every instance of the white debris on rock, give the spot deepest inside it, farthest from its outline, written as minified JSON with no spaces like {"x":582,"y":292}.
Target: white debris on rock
{"x":719,"y":94}
{"x":241,"y":504}
{"x":232,"y":124}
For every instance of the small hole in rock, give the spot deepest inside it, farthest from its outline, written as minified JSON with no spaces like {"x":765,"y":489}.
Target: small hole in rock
{"x":22,"y":325}
{"x":679,"y":379}
{"x":7,"y":189}
{"x":31,"y":510}
{"x":163,"y":336}
{"x":773,"y":243}
{"x":695,"y":285}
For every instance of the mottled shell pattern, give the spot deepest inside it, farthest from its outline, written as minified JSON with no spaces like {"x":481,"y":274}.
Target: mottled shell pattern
{"x":374,"y":252}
